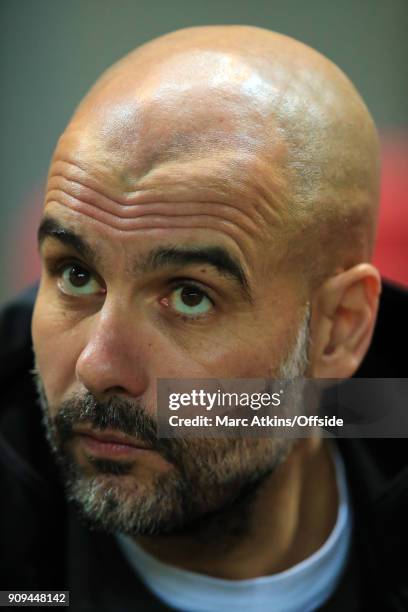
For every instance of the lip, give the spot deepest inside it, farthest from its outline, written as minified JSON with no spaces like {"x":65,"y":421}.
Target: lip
{"x":111,"y":444}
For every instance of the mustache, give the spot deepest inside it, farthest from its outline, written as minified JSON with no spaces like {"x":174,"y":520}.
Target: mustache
{"x":115,"y":414}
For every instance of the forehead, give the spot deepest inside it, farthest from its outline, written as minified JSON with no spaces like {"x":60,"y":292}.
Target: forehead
{"x":167,"y":155}
{"x":190,"y":105}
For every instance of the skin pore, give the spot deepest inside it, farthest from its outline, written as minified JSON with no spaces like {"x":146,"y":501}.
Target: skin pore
{"x":211,"y":186}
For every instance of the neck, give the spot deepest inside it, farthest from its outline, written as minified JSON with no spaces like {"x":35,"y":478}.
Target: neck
{"x":288,"y":519}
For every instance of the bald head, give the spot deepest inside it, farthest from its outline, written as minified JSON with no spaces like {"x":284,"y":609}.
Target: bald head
{"x":206,"y":209}
{"x":259,"y":114}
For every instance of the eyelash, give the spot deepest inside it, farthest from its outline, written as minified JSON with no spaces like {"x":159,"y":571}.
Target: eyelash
{"x":56,"y":267}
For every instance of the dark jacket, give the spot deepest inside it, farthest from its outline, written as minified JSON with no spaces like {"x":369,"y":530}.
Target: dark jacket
{"x":43,"y":546}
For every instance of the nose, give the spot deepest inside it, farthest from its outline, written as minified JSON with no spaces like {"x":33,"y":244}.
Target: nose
{"x":113,"y":360}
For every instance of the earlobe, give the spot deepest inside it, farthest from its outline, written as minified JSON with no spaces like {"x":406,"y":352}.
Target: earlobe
{"x":344,"y":314}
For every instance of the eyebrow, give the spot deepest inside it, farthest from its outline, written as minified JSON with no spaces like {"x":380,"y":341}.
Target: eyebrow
{"x":160,"y":257}
{"x":215,"y":256}
{"x":50,"y":228}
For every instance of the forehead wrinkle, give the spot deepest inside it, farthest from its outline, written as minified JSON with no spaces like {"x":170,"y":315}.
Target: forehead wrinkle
{"x":147,"y":202}
{"x":252,"y":185}
{"x":155,"y":224}
{"x":93,"y":175}
{"x":80,"y":197}
{"x":243,"y":179}
{"x":246,"y":192}
{"x":144,"y":221}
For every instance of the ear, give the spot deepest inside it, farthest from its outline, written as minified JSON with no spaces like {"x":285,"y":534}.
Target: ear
{"x":344,"y":311}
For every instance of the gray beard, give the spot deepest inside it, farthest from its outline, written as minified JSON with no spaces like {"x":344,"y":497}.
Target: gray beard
{"x":208,"y":491}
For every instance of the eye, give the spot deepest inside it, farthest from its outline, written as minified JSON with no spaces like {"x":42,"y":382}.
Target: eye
{"x":76,"y":280}
{"x":190,"y":300}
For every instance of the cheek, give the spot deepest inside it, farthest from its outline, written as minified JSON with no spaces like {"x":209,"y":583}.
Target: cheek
{"x":56,"y":347}
{"x":257,"y":356}
{"x":248,"y":347}
{"x":251,"y":346}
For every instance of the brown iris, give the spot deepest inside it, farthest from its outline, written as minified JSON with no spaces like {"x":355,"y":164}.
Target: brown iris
{"x":78,"y":277}
{"x":191,"y":296}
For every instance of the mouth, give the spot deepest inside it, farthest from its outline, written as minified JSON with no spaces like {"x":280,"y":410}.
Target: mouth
{"x":109,"y":444}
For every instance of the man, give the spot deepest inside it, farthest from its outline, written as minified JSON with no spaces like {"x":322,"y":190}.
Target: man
{"x":210,"y":212}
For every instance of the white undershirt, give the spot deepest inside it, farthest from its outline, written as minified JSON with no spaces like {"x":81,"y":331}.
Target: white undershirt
{"x":302,"y":588}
